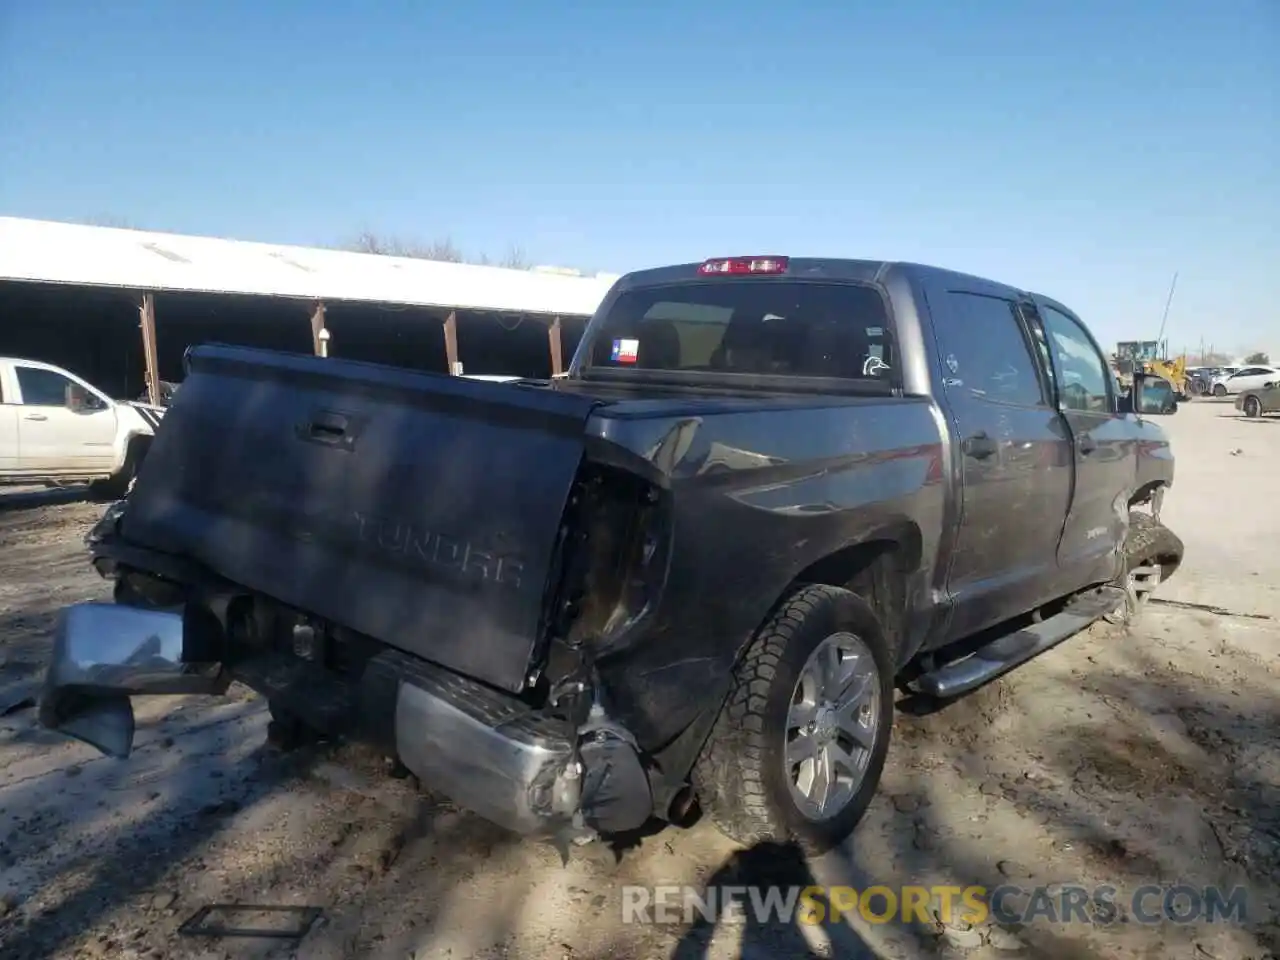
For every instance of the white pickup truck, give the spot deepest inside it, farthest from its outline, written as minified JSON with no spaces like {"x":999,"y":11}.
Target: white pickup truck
{"x":56,"y":428}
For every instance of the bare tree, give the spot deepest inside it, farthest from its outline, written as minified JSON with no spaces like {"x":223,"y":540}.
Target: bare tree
{"x":108,"y":220}
{"x":1261,"y":357}
{"x":442,"y":250}
{"x":369,"y":242}
{"x":516,"y":259}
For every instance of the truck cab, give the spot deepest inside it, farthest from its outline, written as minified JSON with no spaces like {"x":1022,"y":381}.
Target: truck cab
{"x":56,"y":427}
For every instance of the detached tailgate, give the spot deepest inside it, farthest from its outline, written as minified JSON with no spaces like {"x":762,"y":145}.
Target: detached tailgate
{"x":421,"y":510}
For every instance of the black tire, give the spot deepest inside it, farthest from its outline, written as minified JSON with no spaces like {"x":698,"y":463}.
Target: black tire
{"x":287,"y":731}
{"x":739,"y":777}
{"x":1219,"y":390}
{"x":1149,"y":540}
{"x":1252,"y":407}
{"x":1149,"y":543}
{"x":120,"y":485}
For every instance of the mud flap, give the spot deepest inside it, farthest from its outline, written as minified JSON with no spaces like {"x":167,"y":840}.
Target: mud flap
{"x":616,"y":795}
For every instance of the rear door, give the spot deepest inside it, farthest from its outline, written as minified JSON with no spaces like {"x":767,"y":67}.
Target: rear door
{"x":53,"y":438}
{"x":1260,"y":378}
{"x":1015,"y":456}
{"x":1103,"y":446}
{"x":1270,"y":398}
{"x":1240,"y":380}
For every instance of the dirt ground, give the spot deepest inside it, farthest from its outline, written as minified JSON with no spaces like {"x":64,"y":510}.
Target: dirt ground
{"x":1146,"y":756}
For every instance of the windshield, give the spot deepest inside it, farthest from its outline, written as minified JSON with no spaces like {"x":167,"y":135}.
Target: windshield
{"x":774,"y":328}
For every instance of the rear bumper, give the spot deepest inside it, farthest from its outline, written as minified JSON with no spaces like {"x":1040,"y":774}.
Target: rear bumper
{"x":103,"y":654}
{"x":482,"y":748}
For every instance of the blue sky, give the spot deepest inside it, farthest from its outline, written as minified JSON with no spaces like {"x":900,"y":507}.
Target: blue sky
{"x":1086,"y":150}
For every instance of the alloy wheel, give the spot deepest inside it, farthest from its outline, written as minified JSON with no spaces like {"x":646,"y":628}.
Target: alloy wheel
{"x":831,"y":726}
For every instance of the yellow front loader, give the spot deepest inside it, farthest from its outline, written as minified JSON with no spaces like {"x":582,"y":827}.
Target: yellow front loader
{"x":1175,"y":371}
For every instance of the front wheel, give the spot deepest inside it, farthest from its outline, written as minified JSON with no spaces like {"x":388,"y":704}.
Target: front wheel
{"x":800,"y":743}
{"x":1252,"y":407}
{"x":1219,"y":390}
{"x":1152,"y":552}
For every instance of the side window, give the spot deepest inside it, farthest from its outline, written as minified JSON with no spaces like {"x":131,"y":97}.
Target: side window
{"x":42,"y":388}
{"x":984,"y":351}
{"x":1081,"y":369}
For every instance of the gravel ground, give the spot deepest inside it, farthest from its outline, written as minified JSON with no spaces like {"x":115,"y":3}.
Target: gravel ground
{"x":1124,"y":757}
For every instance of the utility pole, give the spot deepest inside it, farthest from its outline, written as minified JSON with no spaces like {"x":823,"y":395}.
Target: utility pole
{"x":1165,"y":319}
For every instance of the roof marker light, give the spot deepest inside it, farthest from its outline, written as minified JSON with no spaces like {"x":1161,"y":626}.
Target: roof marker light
{"x":739,"y":266}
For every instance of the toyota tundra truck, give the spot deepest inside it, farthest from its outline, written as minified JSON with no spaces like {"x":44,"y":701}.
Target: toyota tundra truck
{"x":770,"y":495}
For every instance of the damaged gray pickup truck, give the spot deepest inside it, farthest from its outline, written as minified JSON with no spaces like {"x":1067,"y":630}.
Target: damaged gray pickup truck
{"x":693,"y":574}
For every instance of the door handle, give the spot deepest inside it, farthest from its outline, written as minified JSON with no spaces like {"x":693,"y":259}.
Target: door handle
{"x":1088,"y":445}
{"x":36,"y":416}
{"x":979,"y":446}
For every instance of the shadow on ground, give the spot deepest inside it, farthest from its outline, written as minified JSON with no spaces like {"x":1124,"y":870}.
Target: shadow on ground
{"x":1134,"y":759}
{"x":26,"y":498}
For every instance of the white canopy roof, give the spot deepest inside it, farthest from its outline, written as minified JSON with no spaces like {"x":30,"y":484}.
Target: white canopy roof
{"x":45,"y":251}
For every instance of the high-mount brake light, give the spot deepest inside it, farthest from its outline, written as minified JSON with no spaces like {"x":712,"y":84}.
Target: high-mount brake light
{"x":738,"y":266}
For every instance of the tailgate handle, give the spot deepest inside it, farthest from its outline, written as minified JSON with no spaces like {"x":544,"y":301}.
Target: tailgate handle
{"x":331,"y":429}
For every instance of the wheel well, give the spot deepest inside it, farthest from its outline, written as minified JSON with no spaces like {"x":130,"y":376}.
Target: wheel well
{"x":877,"y":570}
{"x":137,"y":446}
{"x":1145,"y":493}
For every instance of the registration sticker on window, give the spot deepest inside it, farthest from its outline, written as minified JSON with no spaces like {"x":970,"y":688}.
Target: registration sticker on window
{"x":625,"y":351}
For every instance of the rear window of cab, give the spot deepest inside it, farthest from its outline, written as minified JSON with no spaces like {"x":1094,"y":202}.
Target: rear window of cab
{"x":770,"y":328}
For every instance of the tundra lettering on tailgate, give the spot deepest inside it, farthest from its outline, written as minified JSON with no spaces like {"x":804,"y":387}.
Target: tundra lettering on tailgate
{"x":436,"y":549}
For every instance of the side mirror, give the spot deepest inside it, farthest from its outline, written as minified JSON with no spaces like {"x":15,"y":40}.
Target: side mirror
{"x":1153,"y":396}
{"x":80,"y":400}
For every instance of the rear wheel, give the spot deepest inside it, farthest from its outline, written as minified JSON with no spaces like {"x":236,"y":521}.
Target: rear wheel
{"x":1252,"y":407}
{"x":800,"y":743}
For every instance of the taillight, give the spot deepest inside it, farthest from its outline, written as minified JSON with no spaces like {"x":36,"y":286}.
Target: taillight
{"x":736,"y":266}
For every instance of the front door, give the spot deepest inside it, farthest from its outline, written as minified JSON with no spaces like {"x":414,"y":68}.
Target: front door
{"x":8,"y":436}
{"x":53,"y":438}
{"x":1015,"y":457}
{"x":1103,"y":447}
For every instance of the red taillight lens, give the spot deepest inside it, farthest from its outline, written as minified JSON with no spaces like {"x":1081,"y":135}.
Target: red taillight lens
{"x":736,"y":266}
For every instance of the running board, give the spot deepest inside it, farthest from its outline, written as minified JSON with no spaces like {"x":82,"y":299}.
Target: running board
{"x":1014,"y":649}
